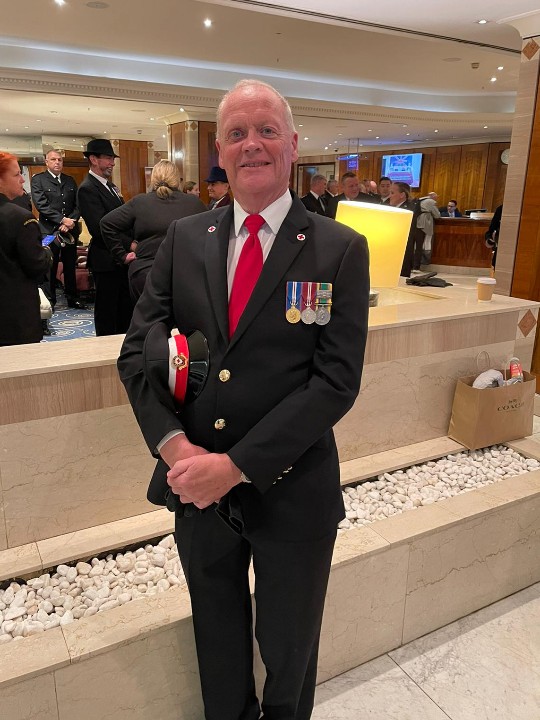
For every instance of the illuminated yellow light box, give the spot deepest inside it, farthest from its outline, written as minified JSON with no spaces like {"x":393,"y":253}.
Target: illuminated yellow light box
{"x":386,"y":229}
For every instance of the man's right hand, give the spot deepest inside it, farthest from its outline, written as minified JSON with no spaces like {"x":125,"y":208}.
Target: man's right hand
{"x":179,"y":448}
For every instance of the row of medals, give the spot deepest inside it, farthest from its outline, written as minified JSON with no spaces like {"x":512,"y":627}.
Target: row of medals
{"x":320,"y":315}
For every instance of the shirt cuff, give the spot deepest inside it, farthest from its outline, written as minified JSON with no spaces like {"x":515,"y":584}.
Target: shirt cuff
{"x":168,"y":437}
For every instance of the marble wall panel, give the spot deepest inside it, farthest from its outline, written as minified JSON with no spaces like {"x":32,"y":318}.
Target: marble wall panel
{"x":3,"y":531}
{"x":408,"y":401}
{"x":72,"y":472}
{"x":33,"y":699}
{"x":153,"y":677}
{"x":469,"y":565}
{"x":364,"y":608}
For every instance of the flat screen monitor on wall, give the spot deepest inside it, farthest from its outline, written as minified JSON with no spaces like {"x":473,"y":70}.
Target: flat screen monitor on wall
{"x":403,"y":168}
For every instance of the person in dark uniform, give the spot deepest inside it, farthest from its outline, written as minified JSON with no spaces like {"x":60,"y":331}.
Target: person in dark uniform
{"x":96,"y":197}
{"x":24,"y":262}
{"x":400,"y":197}
{"x":253,"y":461}
{"x":54,"y":195}
{"x":218,"y":188}
{"x":351,"y":191}
{"x":315,"y":200}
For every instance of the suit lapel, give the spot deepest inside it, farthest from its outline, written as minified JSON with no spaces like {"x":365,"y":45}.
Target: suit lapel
{"x":216,"y":251}
{"x":290,"y":240}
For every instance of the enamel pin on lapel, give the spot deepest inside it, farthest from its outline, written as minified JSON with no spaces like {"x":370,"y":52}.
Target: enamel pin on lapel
{"x":212,"y":228}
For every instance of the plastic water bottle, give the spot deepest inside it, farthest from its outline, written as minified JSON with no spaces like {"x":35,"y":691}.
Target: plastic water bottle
{"x":516,"y":371}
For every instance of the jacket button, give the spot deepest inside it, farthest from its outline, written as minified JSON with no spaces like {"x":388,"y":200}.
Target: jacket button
{"x":225,"y":375}
{"x":220,"y":424}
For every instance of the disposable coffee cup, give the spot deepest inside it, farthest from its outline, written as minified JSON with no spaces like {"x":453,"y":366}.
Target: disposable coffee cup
{"x":485,"y":287}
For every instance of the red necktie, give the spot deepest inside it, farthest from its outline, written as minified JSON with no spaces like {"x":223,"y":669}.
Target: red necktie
{"x":247,"y":272}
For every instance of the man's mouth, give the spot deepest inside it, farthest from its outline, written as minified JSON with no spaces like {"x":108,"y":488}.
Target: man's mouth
{"x":254,"y":164}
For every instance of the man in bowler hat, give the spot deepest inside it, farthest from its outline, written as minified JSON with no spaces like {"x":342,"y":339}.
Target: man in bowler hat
{"x":281,"y":295}
{"x":96,"y":197}
{"x":218,"y":188}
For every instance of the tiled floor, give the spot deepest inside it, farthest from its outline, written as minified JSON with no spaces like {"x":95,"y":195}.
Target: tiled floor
{"x":483,"y":667}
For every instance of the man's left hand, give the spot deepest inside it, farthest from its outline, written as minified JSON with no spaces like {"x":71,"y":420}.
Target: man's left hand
{"x":203,"y":479}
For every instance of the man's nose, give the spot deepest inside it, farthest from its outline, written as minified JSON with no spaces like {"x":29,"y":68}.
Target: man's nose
{"x":252,"y":140}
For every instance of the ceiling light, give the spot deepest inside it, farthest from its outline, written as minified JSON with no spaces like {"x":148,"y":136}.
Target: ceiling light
{"x":26,"y":127}
{"x":485,"y":127}
{"x":207,"y":23}
{"x":340,"y":134}
{"x":481,"y":22}
{"x":163,"y":136}
{"x":152,"y":118}
{"x":435,"y":131}
{"x":306,"y":138}
{"x":493,"y":79}
{"x":97,"y":6}
{"x":104,"y":132}
{"x":7,"y":129}
{"x":60,"y":2}
{"x":501,"y":67}
{"x":407,"y":133}
{"x":181,"y":110}
{"x":377,"y":137}
{"x":38,"y":120}
{"x":404,"y":126}
{"x":370,"y":130}
{"x":300,"y":126}
{"x":326,"y":147}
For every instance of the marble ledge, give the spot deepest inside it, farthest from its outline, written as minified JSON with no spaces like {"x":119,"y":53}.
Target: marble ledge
{"x":32,"y":656}
{"x":87,"y":543}
{"x":355,"y":543}
{"x":369,"y":466}
{"x":529,"y":446}
{"x":17,"y":361}
{"x":122,"y":625}
{"x":449,"y":303}
{"x":23,"y":561}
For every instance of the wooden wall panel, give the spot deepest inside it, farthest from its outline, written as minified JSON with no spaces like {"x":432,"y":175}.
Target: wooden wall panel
{"x":133,"y":160}
{"x":495,"y":177}
{"x":446,"y":173}
{"x":208,"y":155}
{"x":472,"y":175}
{"x":428,"y":182}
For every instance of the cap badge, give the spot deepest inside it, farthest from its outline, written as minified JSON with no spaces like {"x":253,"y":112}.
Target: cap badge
{"x":179,"y":362}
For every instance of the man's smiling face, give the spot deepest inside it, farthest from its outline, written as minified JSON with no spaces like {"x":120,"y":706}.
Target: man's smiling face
{"x":256,"y":145}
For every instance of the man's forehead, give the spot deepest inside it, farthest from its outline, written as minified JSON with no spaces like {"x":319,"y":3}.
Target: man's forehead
{"x":255,"y":101}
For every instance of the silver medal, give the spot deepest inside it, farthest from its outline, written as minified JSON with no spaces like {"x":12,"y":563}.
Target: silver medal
{"x":308,"y":315}
{"x":322,"y":316}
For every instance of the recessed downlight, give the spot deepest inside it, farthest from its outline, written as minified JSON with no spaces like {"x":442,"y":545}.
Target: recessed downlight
{"x":207,"y":23}
{"x":493,"y":79}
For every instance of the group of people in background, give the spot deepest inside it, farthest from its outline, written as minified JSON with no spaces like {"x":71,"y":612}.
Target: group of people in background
{"x":125,"y":237}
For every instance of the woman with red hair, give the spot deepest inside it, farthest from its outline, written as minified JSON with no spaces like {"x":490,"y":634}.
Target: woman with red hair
{"x":23,"y":261}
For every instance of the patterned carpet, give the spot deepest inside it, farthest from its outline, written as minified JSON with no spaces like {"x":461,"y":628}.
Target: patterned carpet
{"x":69,"y":323}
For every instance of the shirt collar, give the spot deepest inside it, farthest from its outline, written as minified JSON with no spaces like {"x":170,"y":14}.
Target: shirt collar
{"x":315,"y":195}
{"x":56,"y":177}
{"x":103,"y":181}
{"x":273,"y":215}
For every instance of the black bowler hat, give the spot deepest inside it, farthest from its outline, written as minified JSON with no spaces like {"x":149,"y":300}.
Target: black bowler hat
{"x":217,"y":174}
{"x":100,"y":147}
{"x":176,"y":366}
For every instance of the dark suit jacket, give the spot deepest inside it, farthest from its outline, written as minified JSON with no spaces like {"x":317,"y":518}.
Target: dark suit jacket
{"x":55,"y":201}
{"x":313,"y":205}
{"x":444,"y":213}
{"x":222,"y":202}
{"x":361,"y":197}
{"x":289,"y":384}
{"x":145,"y":219}
{"x":23,"y":264}
{"x":95,"y":201}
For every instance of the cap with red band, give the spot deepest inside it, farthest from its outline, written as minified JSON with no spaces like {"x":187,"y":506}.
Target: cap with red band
{"x":178,"y":366}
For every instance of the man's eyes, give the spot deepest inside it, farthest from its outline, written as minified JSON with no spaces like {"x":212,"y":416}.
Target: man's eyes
{"x":239,"y":134}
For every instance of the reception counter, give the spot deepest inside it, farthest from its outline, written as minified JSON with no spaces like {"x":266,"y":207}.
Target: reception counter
{"x":461,"y":242}
{"x":73,"y":456}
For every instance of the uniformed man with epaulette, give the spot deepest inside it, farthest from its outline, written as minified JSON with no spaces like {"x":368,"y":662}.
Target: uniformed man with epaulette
{"x":55,"y":196}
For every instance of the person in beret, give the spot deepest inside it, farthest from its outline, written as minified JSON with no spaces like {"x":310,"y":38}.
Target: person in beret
{"x":281,"y":296}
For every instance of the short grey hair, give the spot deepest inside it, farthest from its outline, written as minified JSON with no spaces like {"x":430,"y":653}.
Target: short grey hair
{"x":248,"y":84}
{"x":316,"y":178}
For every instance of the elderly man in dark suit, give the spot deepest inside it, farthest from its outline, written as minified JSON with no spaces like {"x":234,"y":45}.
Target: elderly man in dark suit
{"x":281,"y":295}
{"x":97,"y":196}
{"x":315,"y":200}
{"x":54,"y":195}
{"x":218,"y":188}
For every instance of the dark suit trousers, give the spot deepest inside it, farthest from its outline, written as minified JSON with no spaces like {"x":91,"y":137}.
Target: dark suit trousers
{"x":290,"y":588}
{"x":113,"y":306}
{"x":419,"y":239}
{"x":68,"y":256}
